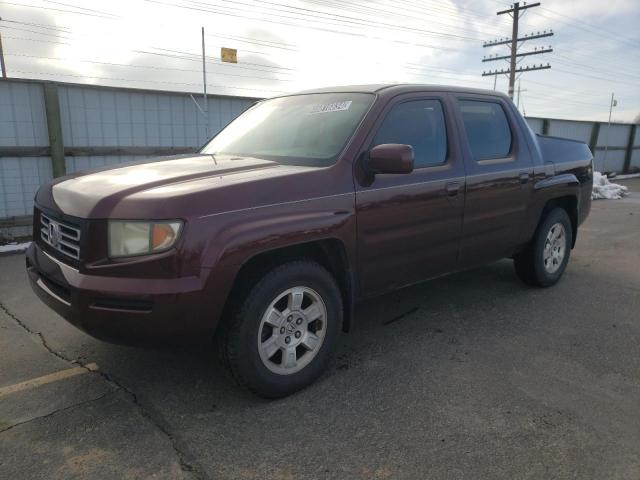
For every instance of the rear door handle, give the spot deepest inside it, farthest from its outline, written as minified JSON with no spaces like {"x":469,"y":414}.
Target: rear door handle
{"x":524,"y":177}
{"x":452,"y":188}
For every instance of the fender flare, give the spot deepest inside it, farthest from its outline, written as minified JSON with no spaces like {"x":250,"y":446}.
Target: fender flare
{"x":568,"y":186}
{"x":567,"y":179}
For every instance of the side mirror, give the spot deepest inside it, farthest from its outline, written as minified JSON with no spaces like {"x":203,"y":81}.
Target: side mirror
{"x":391,"y":158}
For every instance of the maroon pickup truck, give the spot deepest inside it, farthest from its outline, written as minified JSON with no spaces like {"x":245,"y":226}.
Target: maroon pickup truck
{"x":301,"y":207}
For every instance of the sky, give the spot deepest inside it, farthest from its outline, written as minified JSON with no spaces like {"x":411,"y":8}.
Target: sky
{"x":287,"y":46}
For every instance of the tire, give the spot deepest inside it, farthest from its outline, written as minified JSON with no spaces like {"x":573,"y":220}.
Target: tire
{"x":542,"y":268}
{"x":275,"y":343}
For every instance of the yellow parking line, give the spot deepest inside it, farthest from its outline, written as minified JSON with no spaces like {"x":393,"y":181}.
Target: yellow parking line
{"x":52,"y":377}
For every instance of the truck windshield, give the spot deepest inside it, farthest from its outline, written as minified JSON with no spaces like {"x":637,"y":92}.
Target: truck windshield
{"x":307,"y":130}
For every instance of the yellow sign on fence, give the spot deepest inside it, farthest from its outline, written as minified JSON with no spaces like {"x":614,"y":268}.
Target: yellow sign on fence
{"x":229,"y":55}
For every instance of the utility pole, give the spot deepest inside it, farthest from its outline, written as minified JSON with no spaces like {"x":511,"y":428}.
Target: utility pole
{"x":516,"y":12}
{"x":514,"y":46}
{"x":614,"y":103}
{"x":204,"y":85}
{"x":518,"y":98}
{"x":2,"y":65}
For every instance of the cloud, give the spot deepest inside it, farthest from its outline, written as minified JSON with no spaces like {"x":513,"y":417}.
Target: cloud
{"x":288,"y":47}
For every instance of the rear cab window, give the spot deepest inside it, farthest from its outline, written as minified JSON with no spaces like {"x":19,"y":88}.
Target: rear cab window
{"x":488,"y":132}
{"x":419,"y":123}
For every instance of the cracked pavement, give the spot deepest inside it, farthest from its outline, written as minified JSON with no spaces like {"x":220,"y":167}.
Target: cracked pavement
{"x":468,"y":376}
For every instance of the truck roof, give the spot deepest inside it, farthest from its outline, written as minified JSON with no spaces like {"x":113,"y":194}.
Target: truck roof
{"x":396,"y":88}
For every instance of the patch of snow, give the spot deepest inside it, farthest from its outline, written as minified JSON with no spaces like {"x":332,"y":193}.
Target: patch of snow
{"x":603,"y":188}
{"x":14,"y":247}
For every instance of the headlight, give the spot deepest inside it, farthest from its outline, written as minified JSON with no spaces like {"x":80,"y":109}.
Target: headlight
{"x":129,"y":238}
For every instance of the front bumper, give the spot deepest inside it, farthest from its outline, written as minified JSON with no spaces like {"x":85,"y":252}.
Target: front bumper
{"x":131,"y":311}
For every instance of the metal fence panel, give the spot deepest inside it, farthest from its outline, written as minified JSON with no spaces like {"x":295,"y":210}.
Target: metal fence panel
{"x":94,"y":116}
{"x":535,"y":124}
{"x":635,"y":159}
{"x":19,"y":180}
{"x":81,"y":163}
{"x":614,"y":136}
{"x":567,"y":129}
{"x":110,"y":118}
{"x":614,"y":161}
{"x":22,"y":118}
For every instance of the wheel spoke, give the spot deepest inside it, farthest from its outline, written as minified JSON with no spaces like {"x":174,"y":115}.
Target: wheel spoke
{"x":311,"y":341}
{"x":270,"y":346}
{"x":274,"y":318}
{"x":295,"y":299}
{"x":289,"y":357}
{"x":312,"y":312}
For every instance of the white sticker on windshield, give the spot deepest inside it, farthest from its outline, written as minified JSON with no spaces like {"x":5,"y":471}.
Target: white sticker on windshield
{"x":331,"y":107}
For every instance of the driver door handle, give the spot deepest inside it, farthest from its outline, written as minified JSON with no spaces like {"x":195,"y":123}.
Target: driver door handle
{"x":452,"y":188}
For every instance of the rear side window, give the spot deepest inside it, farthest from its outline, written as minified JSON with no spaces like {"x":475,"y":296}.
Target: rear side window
{"x":487,"y":129}
{"x":419,"y":123}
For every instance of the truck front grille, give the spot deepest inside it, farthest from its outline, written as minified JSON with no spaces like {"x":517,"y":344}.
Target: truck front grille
{"x":60,"y":236}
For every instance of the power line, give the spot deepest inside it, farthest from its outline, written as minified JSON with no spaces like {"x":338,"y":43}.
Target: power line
{"x":571,"y":62}
{"x":180,"y":55}
{"x":400,"y":42}
{"x":281,"y":45}
{"x":255,"y":67}
{"x":363,"y":9}
{"x":278,"y":21}
{"x":91,"y":10}
{"x":151,"y":67}
{"x":146,"y":81}
{"x":576,"y":23}
{"x":413,"y":68}
{"x":338,"y":18}
{"x":41,"y":7}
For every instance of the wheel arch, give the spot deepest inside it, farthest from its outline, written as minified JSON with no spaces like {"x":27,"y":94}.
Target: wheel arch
{"x":331,"y":253}
{"x":569,"y":203}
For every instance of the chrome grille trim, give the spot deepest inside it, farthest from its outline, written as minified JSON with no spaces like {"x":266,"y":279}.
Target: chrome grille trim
{"x":60,"y":236}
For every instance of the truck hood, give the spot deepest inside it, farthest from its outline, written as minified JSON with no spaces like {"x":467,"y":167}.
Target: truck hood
{"x":109,"y":192}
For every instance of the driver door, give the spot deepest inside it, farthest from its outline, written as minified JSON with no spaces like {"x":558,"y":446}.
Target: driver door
{"x":409,"y":225}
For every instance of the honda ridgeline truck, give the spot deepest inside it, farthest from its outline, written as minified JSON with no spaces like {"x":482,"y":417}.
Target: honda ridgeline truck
{"x":304,"y":205}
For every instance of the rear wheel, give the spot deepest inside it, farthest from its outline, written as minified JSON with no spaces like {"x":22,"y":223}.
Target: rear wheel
{"x":545,"y":259}
{"x":282,"y":334}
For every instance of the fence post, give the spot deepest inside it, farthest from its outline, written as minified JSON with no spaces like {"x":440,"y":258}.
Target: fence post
{"x":593,"y":141}
{"x":629,"y":152}
{"x":54,"y":126}
{"x":545,"y":126}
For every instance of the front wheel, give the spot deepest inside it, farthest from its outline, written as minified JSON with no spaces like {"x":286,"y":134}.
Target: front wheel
{"x":544,"y":261}
{"x":282,"y":334}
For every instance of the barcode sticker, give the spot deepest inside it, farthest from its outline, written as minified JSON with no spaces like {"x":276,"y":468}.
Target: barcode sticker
{"x":331,"y":107}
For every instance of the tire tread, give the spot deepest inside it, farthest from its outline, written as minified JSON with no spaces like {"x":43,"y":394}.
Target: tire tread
{"x":231,"y":343}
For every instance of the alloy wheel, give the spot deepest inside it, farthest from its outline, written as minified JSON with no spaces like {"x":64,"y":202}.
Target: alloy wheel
{"x":292,"y":330}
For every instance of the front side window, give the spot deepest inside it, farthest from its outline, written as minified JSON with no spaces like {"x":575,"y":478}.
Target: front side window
{"x":487,"y":129}
{"x":419,"y":123}
{"x":307,"y":130}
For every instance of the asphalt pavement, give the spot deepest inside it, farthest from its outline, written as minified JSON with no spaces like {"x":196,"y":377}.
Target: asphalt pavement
{"x":469,"y":376}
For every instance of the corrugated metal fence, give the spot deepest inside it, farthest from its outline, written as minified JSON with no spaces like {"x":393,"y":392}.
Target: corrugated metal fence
{"x":48,"y":129}
{"x":615,"y":147}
